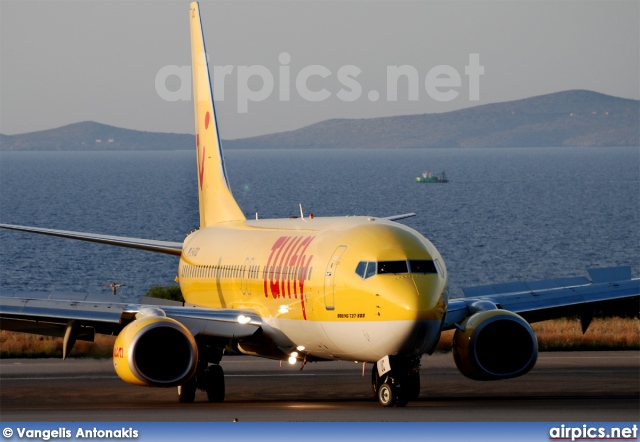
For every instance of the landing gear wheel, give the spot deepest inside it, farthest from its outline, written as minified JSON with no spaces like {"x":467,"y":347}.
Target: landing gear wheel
{"x":402,"y":398}
{"x":187,"y":391}
{"x":387,"y":395}
{"x":214,"y":383}
{"x":413,"y":386}
{"x":375,"y":381}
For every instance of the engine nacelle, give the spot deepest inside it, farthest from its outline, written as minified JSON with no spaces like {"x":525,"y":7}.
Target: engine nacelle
{"x":155,"y":351}
{"x":495,"y":344}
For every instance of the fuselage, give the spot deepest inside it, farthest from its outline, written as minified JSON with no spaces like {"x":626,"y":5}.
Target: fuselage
{"x":355,"y":288}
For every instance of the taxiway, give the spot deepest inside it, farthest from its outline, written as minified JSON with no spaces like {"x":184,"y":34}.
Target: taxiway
{"x":576,"y":386}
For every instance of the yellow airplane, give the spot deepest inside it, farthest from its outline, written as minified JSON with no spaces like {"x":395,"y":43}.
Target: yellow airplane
{"x":357,"y":288}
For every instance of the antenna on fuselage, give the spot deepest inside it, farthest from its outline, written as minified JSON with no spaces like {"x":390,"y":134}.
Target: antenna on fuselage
{"x":302,"y":213}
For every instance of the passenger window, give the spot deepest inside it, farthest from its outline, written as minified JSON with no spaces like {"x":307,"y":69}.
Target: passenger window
{"x":392,"y":267}
{"x":371,"y":270}
{"x":422,"y":266}
{"x":362,"y":266}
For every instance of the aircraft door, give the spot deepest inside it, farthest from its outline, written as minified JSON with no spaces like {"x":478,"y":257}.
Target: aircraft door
{"x":330,"y":276}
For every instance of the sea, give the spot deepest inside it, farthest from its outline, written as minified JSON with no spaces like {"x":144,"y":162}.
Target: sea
{"x":507,"y":214}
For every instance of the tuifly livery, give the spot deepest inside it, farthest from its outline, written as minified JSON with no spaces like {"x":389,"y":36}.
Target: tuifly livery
{"x":305,"y":289}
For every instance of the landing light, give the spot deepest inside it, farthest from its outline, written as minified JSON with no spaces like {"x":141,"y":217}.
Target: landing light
{"x":294,"y":354}
{"x":300,"y":348}
{"x":292,"y":360}
{"x":242,"y":319}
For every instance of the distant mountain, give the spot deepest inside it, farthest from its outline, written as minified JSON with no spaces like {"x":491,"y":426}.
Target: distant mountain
{"x":89,"y":135}
{"x":571,"y":118}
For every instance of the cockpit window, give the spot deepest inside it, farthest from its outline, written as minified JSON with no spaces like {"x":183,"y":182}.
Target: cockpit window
{"x":367,"y":269}
{"x":362,"y":266}
{"x":439,"y":268}
{"x":422,"y":266}
{"x":371,"y":270}
{"x":392,"y":267}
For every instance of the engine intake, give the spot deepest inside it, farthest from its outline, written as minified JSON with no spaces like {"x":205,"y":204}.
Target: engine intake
{"x":495,"y":344}
{"x":155,"y":351}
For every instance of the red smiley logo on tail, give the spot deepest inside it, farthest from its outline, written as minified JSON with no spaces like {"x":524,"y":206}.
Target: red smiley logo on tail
{"x":202,"y":157}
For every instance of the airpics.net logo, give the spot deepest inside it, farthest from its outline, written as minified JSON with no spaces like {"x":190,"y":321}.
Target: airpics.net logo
{"x":258,"y":83}
{"x":590,"y":432}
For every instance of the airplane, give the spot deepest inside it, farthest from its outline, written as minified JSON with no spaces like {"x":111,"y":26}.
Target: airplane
{"x":305,"y":289}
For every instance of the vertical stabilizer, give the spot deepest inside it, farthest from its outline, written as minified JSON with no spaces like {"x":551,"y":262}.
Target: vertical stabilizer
{"x":216,"y":201}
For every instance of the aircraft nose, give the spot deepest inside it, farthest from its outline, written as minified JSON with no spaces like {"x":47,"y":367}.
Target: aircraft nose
{"x":420,"y":303}
{"x":417,"y":297}
{"x":430,"y":297}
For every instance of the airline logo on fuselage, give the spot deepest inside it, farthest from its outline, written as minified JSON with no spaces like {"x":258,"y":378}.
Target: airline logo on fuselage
{"x":287,"y":268}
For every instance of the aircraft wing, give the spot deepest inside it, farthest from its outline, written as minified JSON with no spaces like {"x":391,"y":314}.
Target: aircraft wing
{"x":547,"y":299}
{"x":171,"y":248}
{"x":50,"y":314}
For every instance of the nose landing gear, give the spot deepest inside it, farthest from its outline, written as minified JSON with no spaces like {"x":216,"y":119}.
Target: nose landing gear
{"x":399,"y":385}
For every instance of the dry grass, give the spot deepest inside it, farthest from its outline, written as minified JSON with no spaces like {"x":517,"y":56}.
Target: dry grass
{"x":556,"y":335}
{"x":566,"y":334}
{"x":603,"y":334}
{"x":24,"y":345}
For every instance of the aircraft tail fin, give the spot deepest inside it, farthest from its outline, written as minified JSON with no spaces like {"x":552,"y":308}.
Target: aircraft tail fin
{"x":217,"y":203}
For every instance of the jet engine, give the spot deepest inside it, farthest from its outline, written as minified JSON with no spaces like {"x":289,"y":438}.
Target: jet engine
{"x":155,"y":351}
{"x":494,"y":344}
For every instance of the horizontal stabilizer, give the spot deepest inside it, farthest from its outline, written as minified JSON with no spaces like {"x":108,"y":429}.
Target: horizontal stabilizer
{"x":170,"y":248}
{"x":399,"y":217}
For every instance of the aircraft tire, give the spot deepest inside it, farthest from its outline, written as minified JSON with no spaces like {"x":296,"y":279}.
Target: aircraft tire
{"x":413,"y":386}
{"x":187,"y":391}
{"x":214,"y":378}
{"x":375,"y":381}
{"x":402,"y":397}
{"x":387,"y":395}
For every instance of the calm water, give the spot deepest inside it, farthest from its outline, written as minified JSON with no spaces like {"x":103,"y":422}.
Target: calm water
{"x":507,"y":214}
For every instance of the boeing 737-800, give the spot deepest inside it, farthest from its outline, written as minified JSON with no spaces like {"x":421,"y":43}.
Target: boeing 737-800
{"x":357,"y":288}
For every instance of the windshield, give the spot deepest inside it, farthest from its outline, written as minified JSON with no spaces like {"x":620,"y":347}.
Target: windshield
{"x":367,"y":269}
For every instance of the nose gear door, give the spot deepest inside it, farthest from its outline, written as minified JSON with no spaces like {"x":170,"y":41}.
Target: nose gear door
{"x":330,"y":276}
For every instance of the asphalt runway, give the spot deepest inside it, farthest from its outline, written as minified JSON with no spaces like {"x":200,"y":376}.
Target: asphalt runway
{"x":563,"y":387}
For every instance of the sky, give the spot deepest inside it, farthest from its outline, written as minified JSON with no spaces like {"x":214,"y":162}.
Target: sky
{"x":289,"y":64}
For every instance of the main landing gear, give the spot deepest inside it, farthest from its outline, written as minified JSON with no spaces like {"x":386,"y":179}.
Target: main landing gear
{"x":209,"y":375}
{"x":397,"y":385}
{"x":208,"y":378}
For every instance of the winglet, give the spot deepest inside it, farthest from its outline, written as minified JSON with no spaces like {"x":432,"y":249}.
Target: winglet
{"x":217,"y":204}
{"x":610,"y":274}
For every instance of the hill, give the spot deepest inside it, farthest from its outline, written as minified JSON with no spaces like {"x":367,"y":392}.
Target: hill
{"x":570,"y":118}
{"x":89,"y":135}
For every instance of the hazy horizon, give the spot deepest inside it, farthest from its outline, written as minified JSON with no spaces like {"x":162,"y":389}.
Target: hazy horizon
{"x":66,"y":62}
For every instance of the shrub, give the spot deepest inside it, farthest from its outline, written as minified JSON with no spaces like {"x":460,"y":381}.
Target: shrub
{"x":171,"y":292}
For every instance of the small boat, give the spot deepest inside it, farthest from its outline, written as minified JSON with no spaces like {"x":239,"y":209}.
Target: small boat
{"x":429,"y":177}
